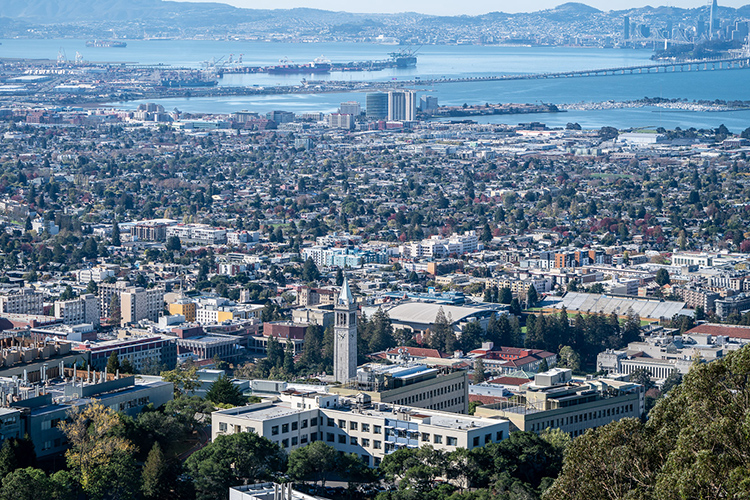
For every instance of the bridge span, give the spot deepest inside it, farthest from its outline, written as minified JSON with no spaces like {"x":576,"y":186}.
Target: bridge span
{"x":742,"y":62}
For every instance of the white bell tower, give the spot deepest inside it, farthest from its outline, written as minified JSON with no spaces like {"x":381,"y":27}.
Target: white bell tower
{"x":345,"y":336}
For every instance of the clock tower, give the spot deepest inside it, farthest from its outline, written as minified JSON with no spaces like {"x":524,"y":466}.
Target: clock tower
{"x":345,"y":336}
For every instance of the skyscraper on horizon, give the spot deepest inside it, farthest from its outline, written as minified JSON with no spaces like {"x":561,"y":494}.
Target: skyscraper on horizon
{"x":626,"y":28}
{"x":713,"y":19}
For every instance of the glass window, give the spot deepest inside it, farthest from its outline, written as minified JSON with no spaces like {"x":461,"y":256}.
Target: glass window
{"x":377,"y":429}
{"x":342,"y":438}
{"x":329,"y":437}
{"x":451,"y":441}
{"x":294,"y":440}
{"x":302,"y":438}
{"x":352,"y":426}
{"x":313,"y":421}
{"x":353,"y":441}
{"x":222,"y":427}
{"x":284,"y":428}
{"x":438,"y":439}
{"x":365,"y":427}
{"x":342,"y":424}
{"x":487,"y":438}
{"x":294,"y":426}
{"x":426,"y":437}
{"x":304,"y":424}
{"x":314,"y":436}
{"x":475,"y":441}
{"x":376,"y":445}
{"x":330,"y":422}
{"x":365,"y":442}
{"x":285,"y":443}
{"x":275,"y":430}
{"x":499,"y":436}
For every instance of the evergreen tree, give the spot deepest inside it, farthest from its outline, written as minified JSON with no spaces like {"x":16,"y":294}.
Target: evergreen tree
{"x":115,"y":314}
{"x":310,"y":271}
{"x":479,"y":376}
{"x":274,"y":352}
{"x":92,"y":287}
{"x":155,"y":475}
{"x":339,"y":277}
{"x":116,"y":234}
{"x":381,"y":335}
{"x":289,"y":358}
{"x":531,"y":296}
{"x":515,"y":307}
{"x":312,"y":347}
{"x":113,"y":363}
{"x":8,"y":462}
{"x":506,"y":295}
{"x":223,"y":391}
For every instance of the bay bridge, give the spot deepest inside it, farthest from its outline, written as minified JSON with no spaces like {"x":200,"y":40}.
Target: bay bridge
{"x":726,"y":63}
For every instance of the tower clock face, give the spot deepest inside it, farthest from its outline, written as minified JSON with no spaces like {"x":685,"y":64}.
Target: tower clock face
{"x":342,"y":335}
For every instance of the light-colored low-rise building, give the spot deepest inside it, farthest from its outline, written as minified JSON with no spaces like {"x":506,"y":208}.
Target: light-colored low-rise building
{"x":370,"y":430}
{"x":554,"y":400}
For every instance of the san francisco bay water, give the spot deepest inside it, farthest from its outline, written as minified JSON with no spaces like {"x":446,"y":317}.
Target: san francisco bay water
{"x":433,"y":62}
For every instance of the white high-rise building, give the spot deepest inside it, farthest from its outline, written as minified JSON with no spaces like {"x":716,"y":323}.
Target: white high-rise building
{"x":345,"y":332}
{"x":402,"y":105}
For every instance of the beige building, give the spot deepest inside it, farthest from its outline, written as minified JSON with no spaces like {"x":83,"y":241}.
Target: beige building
{"x":370,"y":430}
{"x":411,"y":385}
{"x":136,"y":303}
{"x":23,"y":301}
{"x":84,"y":309}
{"x":555,"y":401}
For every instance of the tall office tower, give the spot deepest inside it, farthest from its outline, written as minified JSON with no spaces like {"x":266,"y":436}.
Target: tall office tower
{"x":713,"y":19}
{"x":350,"y":108}
{"x":377,"y":105}
{"x":626,"y":28}
{"x":345,"y":332}
{"x":402,"y":105}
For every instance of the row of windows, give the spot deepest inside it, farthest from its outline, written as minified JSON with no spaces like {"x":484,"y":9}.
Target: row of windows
{"x":294,"y":426}
{"x":430,"y":394}
{"x":353,"y":426}
{"x":342,"y":439}
{"x":583,"y":417}
{"x":303,"y":439}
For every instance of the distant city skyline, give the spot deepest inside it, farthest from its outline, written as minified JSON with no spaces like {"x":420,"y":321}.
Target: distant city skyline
{"x":471,"y":7}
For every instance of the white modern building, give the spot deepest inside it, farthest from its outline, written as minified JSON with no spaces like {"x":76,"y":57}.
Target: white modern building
{"x":371,"y":431}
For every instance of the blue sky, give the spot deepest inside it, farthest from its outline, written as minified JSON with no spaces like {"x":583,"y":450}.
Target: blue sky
{"x":470,"y":7}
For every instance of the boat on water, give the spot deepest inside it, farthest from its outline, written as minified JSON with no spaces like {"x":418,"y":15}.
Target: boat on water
{"x":319,"y":65}
{"x":404,"y":58}
{"x":106,"y":44}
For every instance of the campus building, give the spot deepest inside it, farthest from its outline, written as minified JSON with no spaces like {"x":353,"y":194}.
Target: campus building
{"x":370,"y":430}
{"x":553,"y":400}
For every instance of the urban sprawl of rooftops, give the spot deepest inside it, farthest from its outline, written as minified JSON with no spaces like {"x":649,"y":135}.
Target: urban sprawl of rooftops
{"x":431,"y":254}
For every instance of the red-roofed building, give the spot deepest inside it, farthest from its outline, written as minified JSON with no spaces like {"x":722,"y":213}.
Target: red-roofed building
{"x":510,"y":359}
{"x":413,"y":353}
{"x":738,"y":332}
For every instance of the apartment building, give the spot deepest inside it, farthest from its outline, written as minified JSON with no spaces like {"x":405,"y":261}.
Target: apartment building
{"x":84,"y":309}
{"x":198,"y":233}
{"x":23,"y":301}
{"x":555,"y":401}
{"x":371,"y":430}
{"x":136,"y":303}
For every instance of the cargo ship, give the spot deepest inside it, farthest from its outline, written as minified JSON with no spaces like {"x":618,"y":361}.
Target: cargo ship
{"x":319,"y":65}
{"x":404,"y":58}
{"x":106,"y":44}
